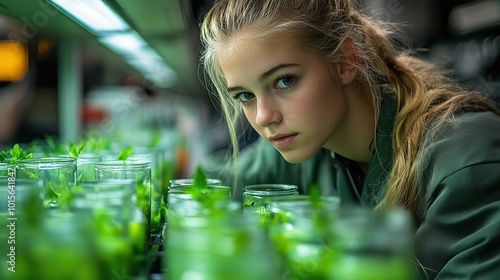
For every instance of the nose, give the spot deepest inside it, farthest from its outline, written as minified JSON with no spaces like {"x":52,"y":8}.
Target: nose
{"x":267,"y":112}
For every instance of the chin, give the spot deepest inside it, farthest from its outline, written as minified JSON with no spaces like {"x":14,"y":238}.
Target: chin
{"x":296,"y":156}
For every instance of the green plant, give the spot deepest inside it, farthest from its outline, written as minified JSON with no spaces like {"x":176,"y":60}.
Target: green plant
{"x":96,"y":144}
{"x":125,"y":153}
{"x":52,"y":147}
{"x":14,"y":154}
{"x":201,"y":192}
{"x":76,"y":150}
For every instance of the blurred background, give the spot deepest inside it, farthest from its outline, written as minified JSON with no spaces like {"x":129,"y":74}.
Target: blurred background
{"x":74,"y":68}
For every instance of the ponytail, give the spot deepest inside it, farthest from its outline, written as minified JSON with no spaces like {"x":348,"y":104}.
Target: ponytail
{"x":425,"y":97}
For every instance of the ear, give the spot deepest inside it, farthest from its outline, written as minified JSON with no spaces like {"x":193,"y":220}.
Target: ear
{"x":347,"y":66}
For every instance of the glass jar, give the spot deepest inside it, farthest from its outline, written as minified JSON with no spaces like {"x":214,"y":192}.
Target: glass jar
{"x":299,"y":227}
{"x":85,"y":171}
{"x":59,"y":246}
{"x":186,"y":200}
{"x":140,"y":171}
{"x":256,"y":198}
{"x":4,"y":169}
{"x":372,"y":245}
{"x":112,"y":215}
{"x":20,"y":203}
{"x":19,"y":194}
{"x":57,"y":173}
{"x":303,"y":205}
{"x":227,"y":246}
{"x":159,"y":170}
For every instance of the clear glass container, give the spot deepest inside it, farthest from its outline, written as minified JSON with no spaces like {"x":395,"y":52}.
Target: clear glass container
{"x":4,"y":169}
{"x":160,"y":171}
{"x":20,"y":203}
{"x":140,"y":171}
{"x":86,"y":164}
{"x":299,"y":227}
{"x":372,"y":245}
{"x":61,"y":245}
{"x":57,"y":173}
{"x":257,"y":198}
{"x":218,"y":247}
{"x":184,"y":200}
{"x":112,"y":214}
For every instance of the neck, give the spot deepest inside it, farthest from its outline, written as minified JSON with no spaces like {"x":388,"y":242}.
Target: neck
{"x":353,"y":137}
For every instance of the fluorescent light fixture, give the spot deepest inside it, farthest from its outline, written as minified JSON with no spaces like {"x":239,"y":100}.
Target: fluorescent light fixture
{"x":155,"y":70}
{"x":93,"y":14}
{"x":126,"y":43}
{"x":145,"y":65}
{"x":113,"y":32}
{"x":140,"y":56}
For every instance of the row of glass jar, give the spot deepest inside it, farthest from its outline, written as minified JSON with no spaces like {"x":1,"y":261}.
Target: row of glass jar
{"x":275,"y":233}
{"x":101,"y":234}
{"x":76,"y":198}
{"x":61,"y":174}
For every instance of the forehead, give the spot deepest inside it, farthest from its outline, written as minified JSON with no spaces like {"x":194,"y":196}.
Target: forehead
{"x":246,"y":55}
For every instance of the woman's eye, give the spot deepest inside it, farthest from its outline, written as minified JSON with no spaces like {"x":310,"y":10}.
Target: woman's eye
{"x":243,"y":96}
{"x":285,"y":82}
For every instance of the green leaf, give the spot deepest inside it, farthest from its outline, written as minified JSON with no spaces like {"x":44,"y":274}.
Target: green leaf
{"x":125,"y":153}
{"x":17,"y":153}
{"x":200,"y":178}
{"x":320,"y":221}
{"x":156,"y":138}
{"x":51,"y":144}
{"x":75,"y":151}
{"x":3,"y":156}
{"x":208,"y":198}
{"x":315,"y":195}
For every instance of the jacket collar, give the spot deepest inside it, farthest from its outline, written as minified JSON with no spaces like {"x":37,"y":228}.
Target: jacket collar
{"x":382,"y":160}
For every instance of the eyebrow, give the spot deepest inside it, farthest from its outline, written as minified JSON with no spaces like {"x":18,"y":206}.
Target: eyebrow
{"x":265,"y":74}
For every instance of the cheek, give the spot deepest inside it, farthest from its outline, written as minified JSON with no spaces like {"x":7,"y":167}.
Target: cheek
{"x":250,"y":116}
{"x":326,"y":104}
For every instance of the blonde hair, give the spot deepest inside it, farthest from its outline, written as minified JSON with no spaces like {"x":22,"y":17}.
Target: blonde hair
{"x":422,"y":94}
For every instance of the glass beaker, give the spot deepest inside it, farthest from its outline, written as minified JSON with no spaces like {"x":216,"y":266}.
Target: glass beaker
{"x":140,"y":171}
{"x":189,"y":200}
{"x":4,"y":169}
{"x":86,"y":164}
{"x":256,"y":198}
{"x":20,"y":203}
{"x":57,"y":173}
{"x":112,"y":215}
{"x":210,"y":192}
{"x":299,"y":226}
{"x":225,"y":246}
{"x":59,"y":246}
{"x":372,"y":245}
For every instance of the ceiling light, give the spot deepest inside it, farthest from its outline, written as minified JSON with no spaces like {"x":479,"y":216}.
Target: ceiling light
{"x":93,"y":14}
{"x":155,"y":70}
{"x":126,"y":43}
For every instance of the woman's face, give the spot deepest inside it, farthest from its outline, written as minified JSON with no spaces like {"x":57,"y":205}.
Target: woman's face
{"x":287,"y":93}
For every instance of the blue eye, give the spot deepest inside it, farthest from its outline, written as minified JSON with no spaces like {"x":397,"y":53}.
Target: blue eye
{"x":244,"y":96}
{"x":285,"y":82}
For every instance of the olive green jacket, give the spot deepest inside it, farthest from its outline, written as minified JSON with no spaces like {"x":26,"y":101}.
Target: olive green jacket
{"x":457,"y":232}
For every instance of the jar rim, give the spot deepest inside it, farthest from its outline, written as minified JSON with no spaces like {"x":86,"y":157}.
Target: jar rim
{"x":123,"y":164}
{"x":270,"y":189}
{"x":189,"y":181}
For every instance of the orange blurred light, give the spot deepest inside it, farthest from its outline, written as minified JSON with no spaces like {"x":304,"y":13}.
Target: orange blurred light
{"x":13,"y":61}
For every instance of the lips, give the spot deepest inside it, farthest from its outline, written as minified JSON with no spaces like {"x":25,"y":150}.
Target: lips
{"x":283,"y":141}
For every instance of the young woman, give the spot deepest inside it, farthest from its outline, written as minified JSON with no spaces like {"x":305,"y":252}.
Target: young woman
{"x":326,"y":88}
